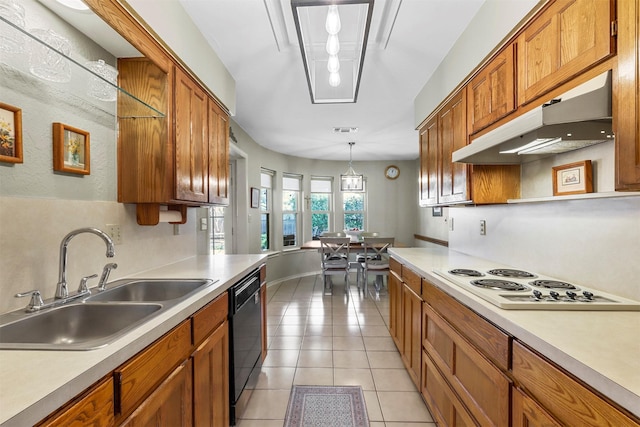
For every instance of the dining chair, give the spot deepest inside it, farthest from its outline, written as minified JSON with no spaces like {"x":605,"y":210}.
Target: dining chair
{"x":334,"y":254}
{"x":376,"y":260}
{"x":334,"y":234}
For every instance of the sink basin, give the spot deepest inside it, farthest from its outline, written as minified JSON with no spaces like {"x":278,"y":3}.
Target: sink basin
{"x":145,"y":290}
{"x":74,"y":327}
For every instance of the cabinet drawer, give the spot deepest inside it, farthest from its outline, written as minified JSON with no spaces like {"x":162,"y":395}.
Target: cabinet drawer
{"x":395,"y":266}
{"x":93,"y":408}
{"x":209,"y":317}
{"x":490,"y":340}
{"x":136,"y":378}
{"x":527,"y":412}
{"x":563,"y":397}
{"x":412,"y":279}
{"x":442,"y":401}
{"x":482,"y":387}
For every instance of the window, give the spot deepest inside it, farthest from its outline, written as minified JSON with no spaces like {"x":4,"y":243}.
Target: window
{"x":353,"y":205}
{"x":266,"y":191}
{"x":321,"y":209}
{"x":291,"y":185}
{"x":217,"y":234}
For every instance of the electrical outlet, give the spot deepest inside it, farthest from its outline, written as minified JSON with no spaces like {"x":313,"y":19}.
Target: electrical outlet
{"x":203,"y":224}
{"x":483,"y":227}
{"x":113,"y":230}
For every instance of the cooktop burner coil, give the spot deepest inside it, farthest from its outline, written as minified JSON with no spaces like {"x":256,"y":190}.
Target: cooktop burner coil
{"x":466,"y":272}
{"x":553,"y":284}
{"x":508,"y":272}
{"x":502,"y":285}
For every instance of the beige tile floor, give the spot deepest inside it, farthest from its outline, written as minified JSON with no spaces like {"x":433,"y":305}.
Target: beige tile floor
{"x":332,"y":340}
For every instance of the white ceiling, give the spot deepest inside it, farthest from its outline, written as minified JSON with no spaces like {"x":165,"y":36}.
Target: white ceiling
{"x":256,"y":41}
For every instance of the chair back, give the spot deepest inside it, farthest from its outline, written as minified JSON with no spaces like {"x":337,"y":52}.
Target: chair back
{"x":375,"y":251}
{"x":334,"y":234}
{"x":370,"y":234}
{"x":334,"y":252}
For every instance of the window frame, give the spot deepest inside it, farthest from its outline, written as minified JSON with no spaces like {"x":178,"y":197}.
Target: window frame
{"x":330,"y":213}
{"x":297,"y":213}
{"x":266,"y":209}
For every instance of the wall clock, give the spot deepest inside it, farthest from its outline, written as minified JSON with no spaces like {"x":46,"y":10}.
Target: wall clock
{"x":392,"y":172}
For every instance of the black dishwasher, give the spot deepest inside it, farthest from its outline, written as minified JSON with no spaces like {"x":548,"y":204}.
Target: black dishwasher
{"x":245,"y":341}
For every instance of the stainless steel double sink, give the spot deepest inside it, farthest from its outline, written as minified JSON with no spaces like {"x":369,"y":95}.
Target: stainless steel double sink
{"x":97,"y":319}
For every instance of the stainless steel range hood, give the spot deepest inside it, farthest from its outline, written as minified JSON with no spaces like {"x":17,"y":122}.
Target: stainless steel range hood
{"x":577,"y":119}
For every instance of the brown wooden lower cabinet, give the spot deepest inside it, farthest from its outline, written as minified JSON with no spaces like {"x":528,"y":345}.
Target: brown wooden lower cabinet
{"x":526,"y":412}
{"x":445,"y":406}
{"x":412,"y":342}
{"x":561,"y":396}
{"x":480,"y":385}
{"x":93,"y":408}
{"x":170,"y":404}
{"x":396,"y":321}
{"x":211,"y":380}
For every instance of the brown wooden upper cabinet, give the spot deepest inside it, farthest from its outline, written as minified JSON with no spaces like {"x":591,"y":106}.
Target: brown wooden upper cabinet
{"x":183,"y":164}
{"x":564,"y":40}
{"x":626,"y":113}
{"x":491,"y":93}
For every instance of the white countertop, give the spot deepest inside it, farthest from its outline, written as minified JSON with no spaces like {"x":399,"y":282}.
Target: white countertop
{"x":602,"y":348}
{"x":35,"y":383}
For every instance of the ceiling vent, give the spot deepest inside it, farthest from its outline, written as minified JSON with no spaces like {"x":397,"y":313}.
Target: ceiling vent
{"x":345,"y":130}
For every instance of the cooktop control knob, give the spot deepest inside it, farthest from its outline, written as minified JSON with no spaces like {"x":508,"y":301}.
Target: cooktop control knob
{"x":571,"y":295}
{"x":554,"y":295}
{"x":588,"y":295}
{"x":537,"y":295}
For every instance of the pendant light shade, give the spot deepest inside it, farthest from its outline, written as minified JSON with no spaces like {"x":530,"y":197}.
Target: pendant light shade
{"x":351,"y":181}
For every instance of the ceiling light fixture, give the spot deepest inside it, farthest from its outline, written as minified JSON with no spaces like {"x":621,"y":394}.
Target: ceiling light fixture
{"x":333,"y":38}
{"x":350,"y":180}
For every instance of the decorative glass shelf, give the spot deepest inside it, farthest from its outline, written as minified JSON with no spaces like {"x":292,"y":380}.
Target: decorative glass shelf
{"x":128,"y":105}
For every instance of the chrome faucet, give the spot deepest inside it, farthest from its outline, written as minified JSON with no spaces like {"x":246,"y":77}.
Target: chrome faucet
{"x":62,"y":291}
{"x":102,"y":284}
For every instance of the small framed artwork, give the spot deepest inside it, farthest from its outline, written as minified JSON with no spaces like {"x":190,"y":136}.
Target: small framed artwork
{"x":573,"y":178}
{"x":10,"y":134}
{"x":255,"y":197}
{"x":71,"y":149}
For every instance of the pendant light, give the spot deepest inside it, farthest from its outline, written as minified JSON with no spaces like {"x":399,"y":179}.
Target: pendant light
{"x":350,"y":180}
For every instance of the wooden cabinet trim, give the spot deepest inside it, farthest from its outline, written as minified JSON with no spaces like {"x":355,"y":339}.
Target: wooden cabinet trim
{"x":561,"y":395}
{"x":412,"y":279}
{"x":412,"y":333}
{"x":491,"y":341}
{"x":210,"y":317}
{"x":526,"y":412}
{"x":142,"y":373}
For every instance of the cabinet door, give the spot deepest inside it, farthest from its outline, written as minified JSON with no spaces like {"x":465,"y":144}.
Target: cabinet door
{"x":443,"y":403}
{"x":565,"y":40}
{"x":561,"y":396}
{"x":412,"y":330}
{"x":481,"y":386}
{"x":491,"y":93}
{"x":453,"y":177}
{"x":191,"y":139}
{"x":218,"y":154}
{"x":395,"y":310}
{"x":94,"y":408}
{"x":170,"y":404}
{"x":211,"y":380}
{"x":429,"y":163}
{"x":626,"y":115}
{"x":527,"y":413}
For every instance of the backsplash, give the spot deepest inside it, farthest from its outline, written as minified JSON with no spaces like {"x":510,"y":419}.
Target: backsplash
{"x":31,"y":231}
{"x":591,"y":242}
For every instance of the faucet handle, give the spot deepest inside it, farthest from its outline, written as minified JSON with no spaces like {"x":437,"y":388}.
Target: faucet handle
{"x":105,"y":275}
{"x":36,"y":300}
{"x":83,"y":283}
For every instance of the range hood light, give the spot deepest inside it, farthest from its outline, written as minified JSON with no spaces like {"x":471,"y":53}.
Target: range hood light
{"x":538,"y":143}
{"x":539,"y":146}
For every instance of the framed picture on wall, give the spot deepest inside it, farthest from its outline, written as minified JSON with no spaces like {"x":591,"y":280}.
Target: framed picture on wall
{"x":71,"y":149}
{"x":10,"y":134}
{"x":572,"y":178}
{"x":255,"y":197}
